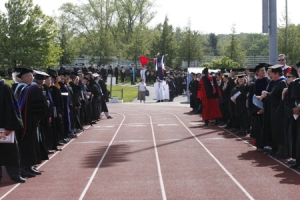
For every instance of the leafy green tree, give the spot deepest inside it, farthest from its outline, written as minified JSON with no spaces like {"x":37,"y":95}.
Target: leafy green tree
{"x":190,"y":48}
{"x":213,"y":43}
{"x":164,"y":43}
{"x":29,"y":35}
{"x":233,"y":49}
{"x":224,"y":62}
{"x":290,"y":46}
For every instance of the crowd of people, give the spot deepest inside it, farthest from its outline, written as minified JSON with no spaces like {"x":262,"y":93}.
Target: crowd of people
{"x":264,"y":102}
{"x":45,"y":110}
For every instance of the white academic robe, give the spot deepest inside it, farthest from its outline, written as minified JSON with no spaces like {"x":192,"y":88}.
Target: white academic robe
{"x":158,"y":91}
{"x":165,"y":90}
{"x":143,"y":75}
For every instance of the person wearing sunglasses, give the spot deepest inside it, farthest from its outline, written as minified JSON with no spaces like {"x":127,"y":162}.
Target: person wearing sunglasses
{"x":282,"y":61}
{"x":290,"y":124}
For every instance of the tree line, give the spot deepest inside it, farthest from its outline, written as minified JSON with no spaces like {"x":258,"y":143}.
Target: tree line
{"x":108,"y":30}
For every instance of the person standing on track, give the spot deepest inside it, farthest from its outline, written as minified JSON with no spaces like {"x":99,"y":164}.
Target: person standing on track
{"x":10,"y":120}
{"x":209,"y":92}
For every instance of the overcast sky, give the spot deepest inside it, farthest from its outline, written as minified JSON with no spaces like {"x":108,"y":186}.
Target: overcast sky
{"x":207,"y":16}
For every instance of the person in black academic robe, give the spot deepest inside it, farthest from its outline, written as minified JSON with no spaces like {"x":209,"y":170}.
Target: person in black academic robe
{"x":10,"y":120}
{"x":104,"y":98}
{"x":33,"y":106}
{"x":193,"y":89}
{"x":58,"y":104}
{"x":123,"y":75}
{"x":259,"y":85}
{"x":296,"y":111}
{"x":290,"y":125}
{"x":76,"y":125}
{"x":94,"y":93}
{"x":232,"y":121}
{"x":116,"y":73}
{"x":276,"y":112}
{"x":103,"y":73}
{"x":240,"y":108}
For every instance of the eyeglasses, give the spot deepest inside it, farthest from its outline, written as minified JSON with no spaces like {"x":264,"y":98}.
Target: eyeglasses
{"x":290,"y":76}
{"x":281,"y":60}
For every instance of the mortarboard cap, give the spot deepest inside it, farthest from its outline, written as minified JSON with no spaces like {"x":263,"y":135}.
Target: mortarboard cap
{"x":96,"y":75}
{"x":205,"y":70}
{"x":39,"y":75}
{"x":86,"y":78}
{"x":261,"y":65}
{"x":294,"y":72}
{"x":61,"y":73}
{"x":66,"y":73}
{"x":74,"y":73}
{"x":239,"y":69}
{"x":17,"y":69}
{"x":276,"y":68}
{"x":24,"y":71}
{"x":52,"y":73}
{"x":252,"y":70}
{"x":241,"y":75}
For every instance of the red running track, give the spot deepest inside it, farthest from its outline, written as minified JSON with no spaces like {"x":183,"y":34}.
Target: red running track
{"x":157,"y":151}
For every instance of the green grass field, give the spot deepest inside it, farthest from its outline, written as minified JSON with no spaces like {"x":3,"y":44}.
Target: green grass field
{"x":129,"y":93}
{"x":9,"y":82}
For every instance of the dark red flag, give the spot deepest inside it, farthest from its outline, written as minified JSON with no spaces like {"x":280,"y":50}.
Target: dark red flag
{"x":144,"y":60}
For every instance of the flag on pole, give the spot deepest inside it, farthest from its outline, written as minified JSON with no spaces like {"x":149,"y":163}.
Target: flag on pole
{"x":160,"y":67}
{"x":144,"y":60}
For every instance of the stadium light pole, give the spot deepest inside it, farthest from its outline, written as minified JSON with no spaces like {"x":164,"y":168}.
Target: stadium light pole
{"x":273,"y":32}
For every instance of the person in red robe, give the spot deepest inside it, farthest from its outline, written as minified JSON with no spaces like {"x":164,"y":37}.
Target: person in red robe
{"x":209,"y":92}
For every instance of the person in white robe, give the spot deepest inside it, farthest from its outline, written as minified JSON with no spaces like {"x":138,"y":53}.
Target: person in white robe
{"x":143,"y":74}
{"x":158,"y":90}
{"x":165,"y":90}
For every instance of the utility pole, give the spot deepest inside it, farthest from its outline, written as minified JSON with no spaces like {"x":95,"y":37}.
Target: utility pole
{"x":273,"y":48}
{"x":286,"y":28}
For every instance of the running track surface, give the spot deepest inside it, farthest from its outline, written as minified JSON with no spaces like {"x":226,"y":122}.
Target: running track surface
{"x":157,"y":151}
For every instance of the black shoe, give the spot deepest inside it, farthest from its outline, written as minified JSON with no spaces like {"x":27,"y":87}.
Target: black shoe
{"x":34,"y":171}
{"x":26,"y":174}
{"x":60,"y":143}
{"x":295,"y":166}
{"x":57,"y":149}
{"x":227,"y":127}
{"x":18,"y":179}
{"x":73,"y":136}
{"x":109,"y":117}
{"x":291,"y":161}
{"x":51,"y":151}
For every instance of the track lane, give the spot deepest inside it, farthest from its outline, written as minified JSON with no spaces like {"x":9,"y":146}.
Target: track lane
{"x":136,"y":175}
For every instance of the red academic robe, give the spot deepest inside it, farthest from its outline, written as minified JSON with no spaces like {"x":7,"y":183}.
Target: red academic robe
{"x":211,"y":109}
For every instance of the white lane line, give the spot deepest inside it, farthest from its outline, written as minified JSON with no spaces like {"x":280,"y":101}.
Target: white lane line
{"x":12,"y":189}
{"x":167,"y":124}
{"x":246,"y":142}
{"x":101,"y":160}
{"x":162,"y":187}
{"x":104,"y":126}
{"x":217,"y":161}
{"x":135,"y":125}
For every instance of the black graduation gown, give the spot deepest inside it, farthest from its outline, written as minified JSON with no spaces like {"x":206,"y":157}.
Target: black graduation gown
{"x":76,"y":89}
{"x":58,"y":104}
{"x":290,"y":125}
{"x":232,"y":118}
{"x":92,"y":87}
{"x":32,"y":151}
{"x":240,"y":108}
{"x":116,"y":73}
{"x":257,"y":120}
{"x":10,"y":119}
{"x":193,"y":88}
{"x":296,"y":96}
{"x":277,"y":111}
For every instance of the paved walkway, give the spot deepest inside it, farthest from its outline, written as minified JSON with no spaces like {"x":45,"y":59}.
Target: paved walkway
{"x":180,"y":100}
